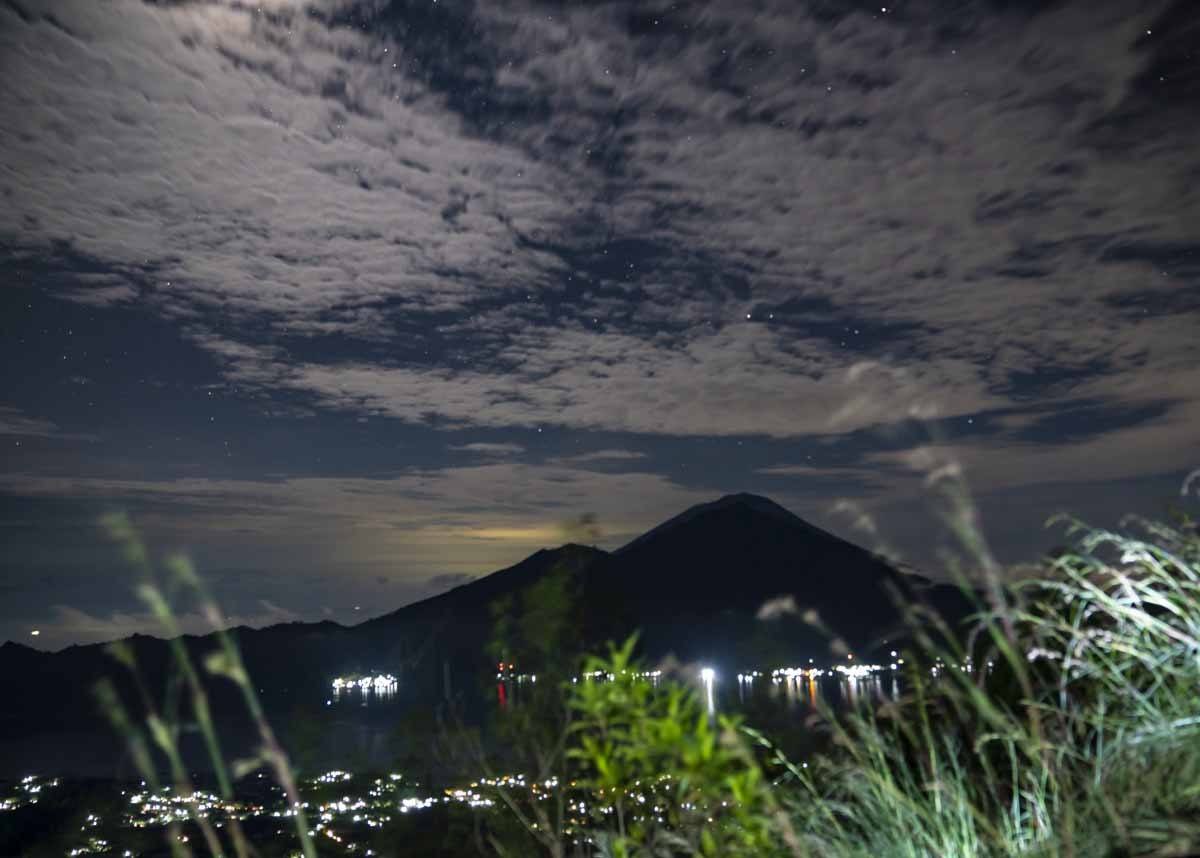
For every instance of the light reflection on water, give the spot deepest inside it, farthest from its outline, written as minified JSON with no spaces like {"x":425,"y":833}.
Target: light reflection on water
{"x":806,"y":693}
{"x":363,"y":696}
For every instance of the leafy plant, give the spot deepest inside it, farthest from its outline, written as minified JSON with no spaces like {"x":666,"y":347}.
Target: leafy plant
{"x":663,"y":776}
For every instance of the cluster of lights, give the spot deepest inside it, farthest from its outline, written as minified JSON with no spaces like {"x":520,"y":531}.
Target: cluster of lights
{"x":469,"y":797}
{"x":28,"y":791}
{"x":851,"y":670}
{"x":647,"y":674}
{"x":939,"y":667}
{"x":641,"y":799}
{"x":410,"y":804}
{"x":516,"y":781}
{"x":380,"y":683}
{"x":473,"y":797}
{"x":333,"y":777}
{"x":859,"y":671}
{"x":376,"y":812}
{"x":93,"y":845}
{"x":347,"y":809}
{"x":334,"y":818}
{"x":605,"y":676}
{"x":166,"y":806}
{"x":788,"y":673}
{"x":810,"y":671}
{"x":507,"y":672}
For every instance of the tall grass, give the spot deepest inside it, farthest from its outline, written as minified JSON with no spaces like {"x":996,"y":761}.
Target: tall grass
{"x":152,"y":728}
{"x":1075,"y":732}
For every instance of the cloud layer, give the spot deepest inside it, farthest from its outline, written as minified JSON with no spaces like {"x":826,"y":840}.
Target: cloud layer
{"x":883,"y":238}
{"x":617,"y":217}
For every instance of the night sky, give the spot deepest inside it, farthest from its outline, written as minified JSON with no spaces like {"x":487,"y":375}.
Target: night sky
{"x":355,"y":300}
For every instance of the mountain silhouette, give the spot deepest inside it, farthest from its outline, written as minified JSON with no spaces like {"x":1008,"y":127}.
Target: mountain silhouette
{"x":694,"y":587}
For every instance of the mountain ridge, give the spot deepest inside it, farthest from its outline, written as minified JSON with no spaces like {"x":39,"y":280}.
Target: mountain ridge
{"x":691,"y":586}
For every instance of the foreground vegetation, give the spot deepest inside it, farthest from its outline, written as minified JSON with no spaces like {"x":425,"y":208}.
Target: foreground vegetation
{"x":1082,"y":739}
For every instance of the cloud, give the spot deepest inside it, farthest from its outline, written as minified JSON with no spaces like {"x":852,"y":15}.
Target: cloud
{"x":100,"y":292}
{"x":792,"y":471}
{"x":488,"y":448}
{"x":14,"y":422}
{"x":1164,"y":446}
{"x":252,"y":120}
{"x":607,"y":456}
{"x":731,"y":221}
{"x":740,"y":380}
{"x":773,"y":609}
{"x":483,"y":516}
{"x":582,"y":529}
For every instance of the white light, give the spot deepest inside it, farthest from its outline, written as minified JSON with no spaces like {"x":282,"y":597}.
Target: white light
{"x":36,"y":632}
{"x":707,"y":675}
